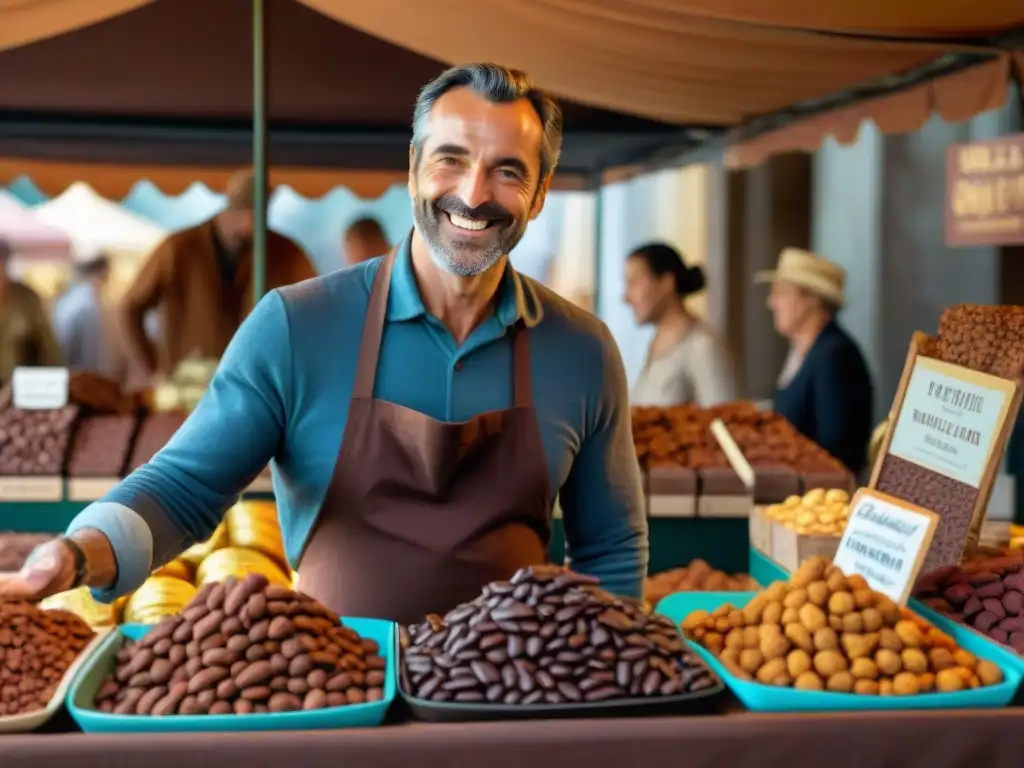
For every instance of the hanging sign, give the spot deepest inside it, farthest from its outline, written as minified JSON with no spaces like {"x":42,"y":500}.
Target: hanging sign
{"x":985,"y":192}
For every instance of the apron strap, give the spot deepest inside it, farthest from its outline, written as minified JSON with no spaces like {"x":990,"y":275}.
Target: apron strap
{"x":373,"y":329}
{"x":521,"y":381}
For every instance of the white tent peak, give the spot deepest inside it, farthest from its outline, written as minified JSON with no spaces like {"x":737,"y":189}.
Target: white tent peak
{"x":93,"y":222}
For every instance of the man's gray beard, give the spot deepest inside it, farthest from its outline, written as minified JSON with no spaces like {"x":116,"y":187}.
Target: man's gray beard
{"x":449,"y":260}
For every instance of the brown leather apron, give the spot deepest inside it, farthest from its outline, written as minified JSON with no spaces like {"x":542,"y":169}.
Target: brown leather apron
{"x":421,"y":514}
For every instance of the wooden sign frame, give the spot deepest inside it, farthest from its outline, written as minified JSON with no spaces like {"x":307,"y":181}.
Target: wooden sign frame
{"x":995,"y":459}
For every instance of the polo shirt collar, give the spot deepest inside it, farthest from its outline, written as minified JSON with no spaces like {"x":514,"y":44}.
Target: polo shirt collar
{"x":516,"y":299}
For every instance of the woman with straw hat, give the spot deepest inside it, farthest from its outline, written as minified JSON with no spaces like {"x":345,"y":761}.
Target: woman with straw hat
{"x":825,"y":389}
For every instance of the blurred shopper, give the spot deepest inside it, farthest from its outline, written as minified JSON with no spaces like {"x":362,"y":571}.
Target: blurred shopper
{"x":686,"y":362}
{"x":82,"y":322}
{"x":200,"y":281}
{"x":25,"y":334}
{"x":364,"y":240}
{"x":825,"y":389}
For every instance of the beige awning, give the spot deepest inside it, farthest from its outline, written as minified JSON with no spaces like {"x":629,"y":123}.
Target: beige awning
{"x":713,"y":63}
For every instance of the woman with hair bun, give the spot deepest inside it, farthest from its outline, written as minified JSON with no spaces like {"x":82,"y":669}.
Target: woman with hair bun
{"x":686,"y":362}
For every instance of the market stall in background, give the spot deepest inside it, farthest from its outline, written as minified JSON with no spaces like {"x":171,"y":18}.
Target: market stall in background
{"x":41,"y":254}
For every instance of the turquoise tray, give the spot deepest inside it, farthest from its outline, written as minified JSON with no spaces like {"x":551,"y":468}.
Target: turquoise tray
{"x":764,"y":570}
{"x":88,"y":681}
{"x":769,"y":698}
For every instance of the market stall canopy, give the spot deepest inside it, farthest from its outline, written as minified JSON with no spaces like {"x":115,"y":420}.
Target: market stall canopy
{"x":164,"y":92}
{"x":176,"y":76}
{"x":95,"y":223}
{"x":27,"y":234}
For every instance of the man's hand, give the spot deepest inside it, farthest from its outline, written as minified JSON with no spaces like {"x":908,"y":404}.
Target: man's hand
{"x":49,"y":569}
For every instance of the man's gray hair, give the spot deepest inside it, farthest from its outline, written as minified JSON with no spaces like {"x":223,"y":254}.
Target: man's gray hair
{"x":499,"y":85}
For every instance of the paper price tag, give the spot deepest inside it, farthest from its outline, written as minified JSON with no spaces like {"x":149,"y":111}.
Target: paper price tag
{"x":40,"y":389}
{"x":885,"y":541}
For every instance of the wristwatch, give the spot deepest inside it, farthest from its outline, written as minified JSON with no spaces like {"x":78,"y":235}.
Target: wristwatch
{"x":80,"y":562}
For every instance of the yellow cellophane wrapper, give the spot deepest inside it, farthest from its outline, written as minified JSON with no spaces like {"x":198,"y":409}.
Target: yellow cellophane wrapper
{"x":239,"y":562}
{"x":195,"y":554}
{"x":80,"y":602}
{"x":177,"y":569}
{"x":158,"y":597}
{"x":254,"y":525}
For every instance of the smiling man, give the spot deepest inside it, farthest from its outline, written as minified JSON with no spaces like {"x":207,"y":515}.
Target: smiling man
{"x":421,"y":410}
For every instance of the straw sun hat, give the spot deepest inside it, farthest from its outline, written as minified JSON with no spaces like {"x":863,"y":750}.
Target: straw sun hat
{"x":808,"y":271}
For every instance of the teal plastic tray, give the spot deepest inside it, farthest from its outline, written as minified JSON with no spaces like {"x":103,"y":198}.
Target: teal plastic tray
{"x":769,"y":698}
{"x":764,"y":570}
{"x":88,"y":681}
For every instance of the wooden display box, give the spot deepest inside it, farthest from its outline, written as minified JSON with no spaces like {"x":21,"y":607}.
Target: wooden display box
{"x":671,"y":492}
{"x":947,"y":433}
{"x":90,"y":488}
{"x":35,"y":488}
{"x":774,"y":483}
{"x":723,"y":494}
{"x":790,"y":549}
{"x":760,"y":531}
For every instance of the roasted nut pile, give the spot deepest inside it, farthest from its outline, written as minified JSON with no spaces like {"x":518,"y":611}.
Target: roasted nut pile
{"x":988,"y":596}
{"x":826,"y":631}
{"x":548,"y":636}
{"x":35,"y":442}
{"x":818,"y":512}
{"x":242,"y":647}
{"x":983,"y":338}
{"x":101,"y":446}
{"x":681,"y":436}
{"x":36,"y":649}
{"x":698,"y":576}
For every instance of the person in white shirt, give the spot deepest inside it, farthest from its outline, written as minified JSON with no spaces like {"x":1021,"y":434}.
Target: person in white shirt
{"x":686,"y":362}
{"x":83,"y":325}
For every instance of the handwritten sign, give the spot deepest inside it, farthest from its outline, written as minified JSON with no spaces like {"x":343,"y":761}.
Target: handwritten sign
{"x":985,"y":192}
{"x":40,"y":389}
{"x":950,"y":419}
{"x":885,"y":541}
